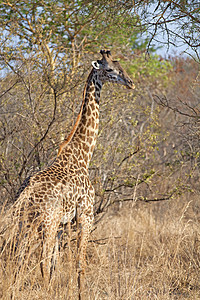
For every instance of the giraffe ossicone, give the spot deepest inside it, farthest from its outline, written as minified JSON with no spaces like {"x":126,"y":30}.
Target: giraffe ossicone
{"x":54,"y":195}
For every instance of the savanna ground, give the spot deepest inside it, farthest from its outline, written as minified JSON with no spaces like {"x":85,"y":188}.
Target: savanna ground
{"x":141,"y":251}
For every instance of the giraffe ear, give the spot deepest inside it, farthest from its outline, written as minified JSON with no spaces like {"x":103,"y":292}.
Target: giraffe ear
{"x":95,"y":65}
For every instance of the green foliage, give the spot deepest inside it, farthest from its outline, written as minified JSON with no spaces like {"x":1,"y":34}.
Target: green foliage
{"x":152,"y":69}
{"x":55,"y":34}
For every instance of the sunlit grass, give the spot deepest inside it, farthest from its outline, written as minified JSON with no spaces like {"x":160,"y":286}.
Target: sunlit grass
{"x":135,"y":253}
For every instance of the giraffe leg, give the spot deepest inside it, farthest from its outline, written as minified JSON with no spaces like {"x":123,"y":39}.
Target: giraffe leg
{"x":84,"y":223}
{"x":49,"y":254}
{"x":54,"y":256}
{"x":45,"y":263}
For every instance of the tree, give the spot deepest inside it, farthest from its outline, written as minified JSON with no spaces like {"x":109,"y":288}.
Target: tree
{"x":45,"y":50}
{"x":41,"y":48}
{"x":178,"y":22}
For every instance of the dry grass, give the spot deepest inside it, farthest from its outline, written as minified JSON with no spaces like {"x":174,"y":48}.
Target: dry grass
{"x":146,"y":252}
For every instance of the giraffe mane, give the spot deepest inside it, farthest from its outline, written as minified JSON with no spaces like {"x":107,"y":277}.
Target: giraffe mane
{"x":70,"y":136}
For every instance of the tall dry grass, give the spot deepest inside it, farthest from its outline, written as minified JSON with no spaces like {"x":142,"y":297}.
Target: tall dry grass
{"x":142,"y":251}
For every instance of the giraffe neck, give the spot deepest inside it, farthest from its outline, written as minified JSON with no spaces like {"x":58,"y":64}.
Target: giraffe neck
{"x":84,"y":134}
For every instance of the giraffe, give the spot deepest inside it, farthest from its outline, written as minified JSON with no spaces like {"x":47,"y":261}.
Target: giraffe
{"x":63,"y":190}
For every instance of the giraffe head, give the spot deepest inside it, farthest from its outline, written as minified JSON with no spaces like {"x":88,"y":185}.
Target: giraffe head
{"x":111,"y":70}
